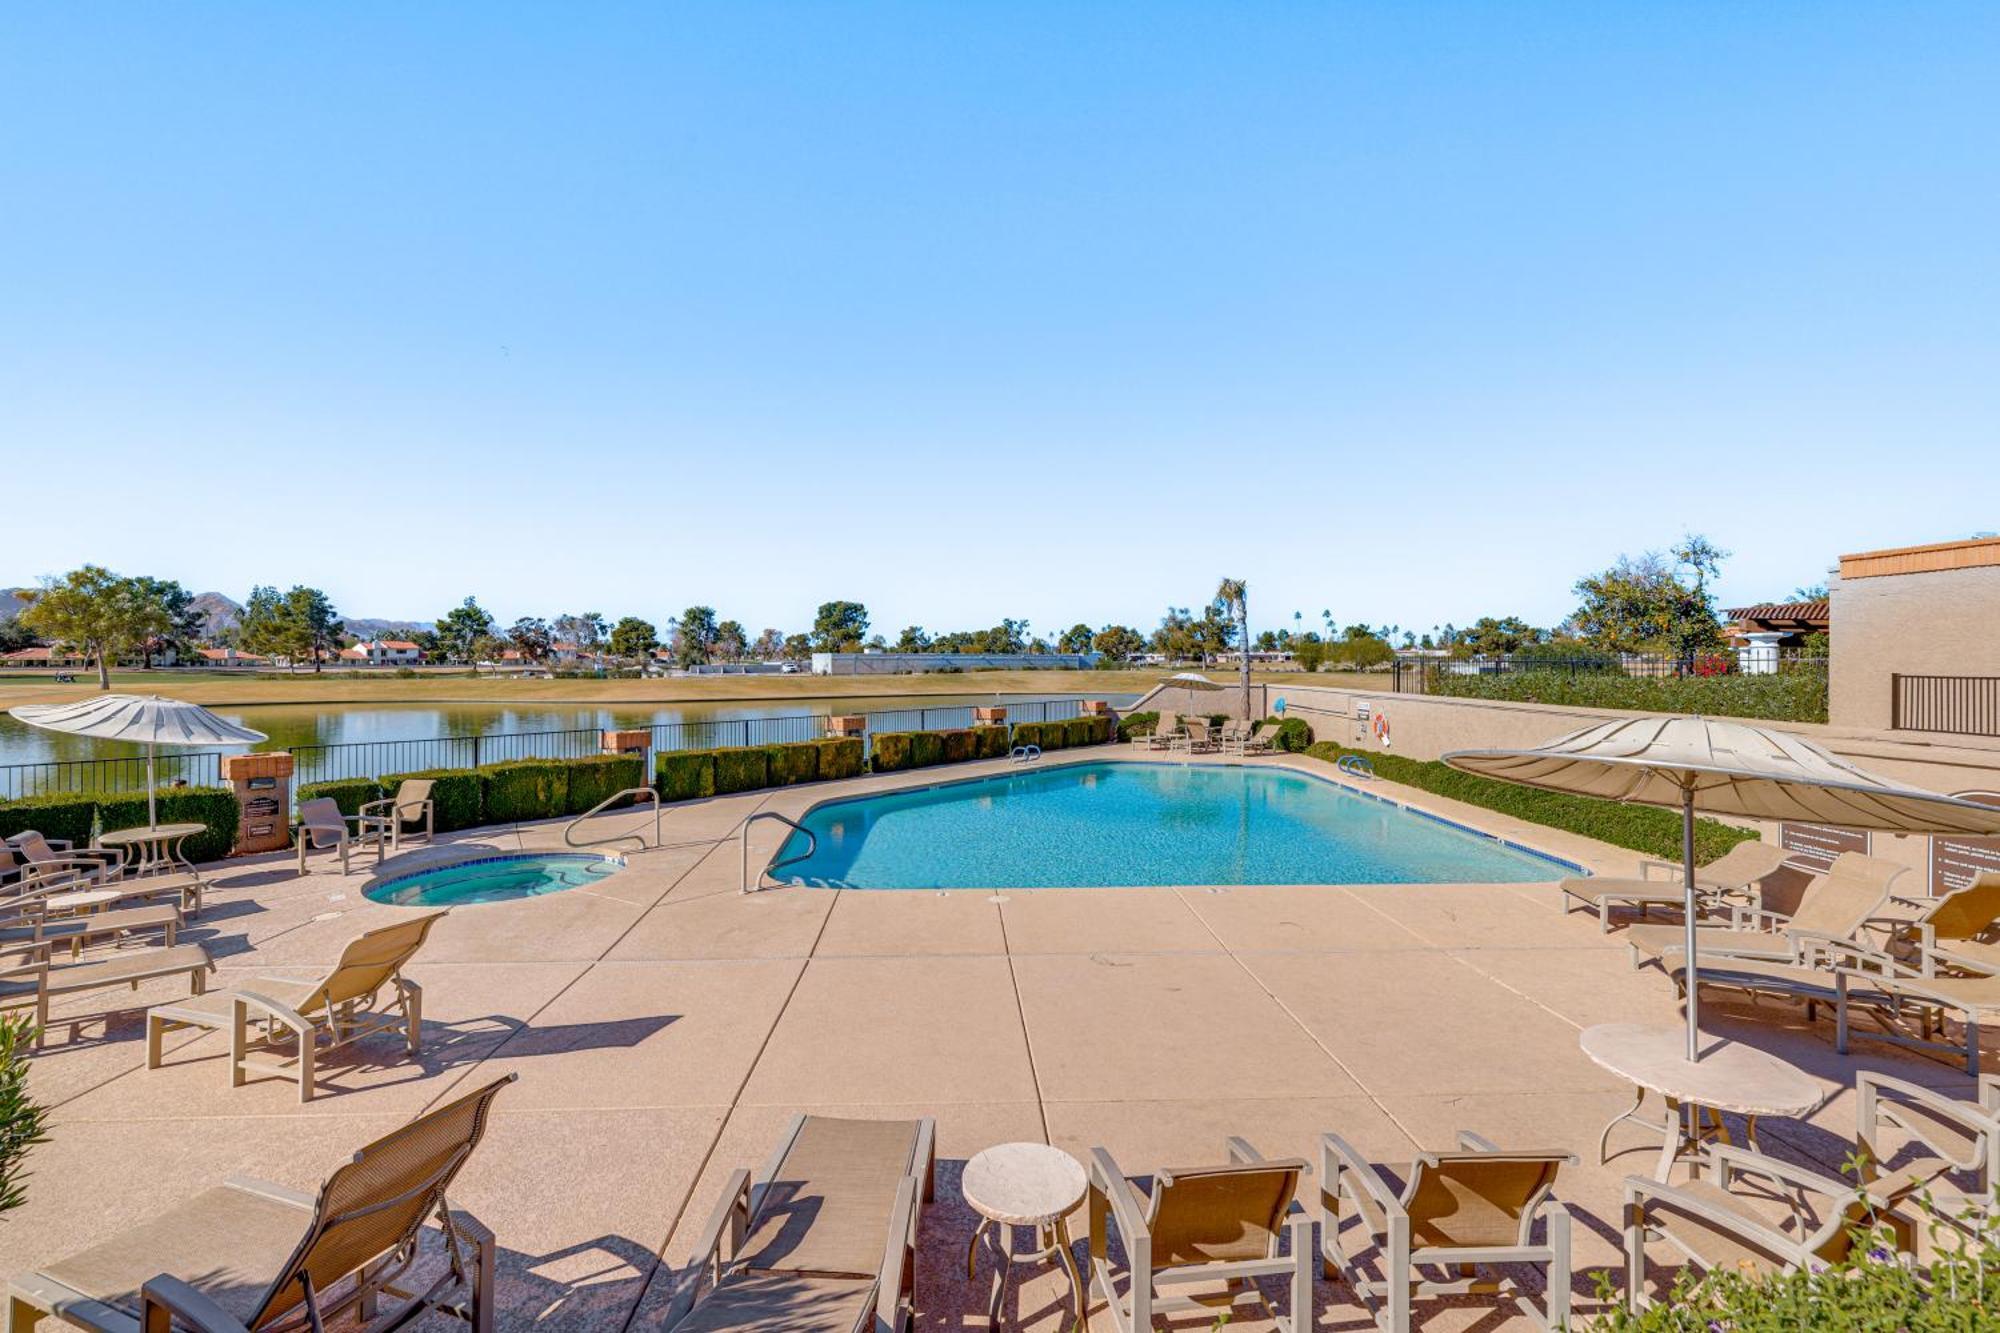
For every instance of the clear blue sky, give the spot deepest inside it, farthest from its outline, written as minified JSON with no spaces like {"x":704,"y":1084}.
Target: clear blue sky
{"x":1413,"y":311}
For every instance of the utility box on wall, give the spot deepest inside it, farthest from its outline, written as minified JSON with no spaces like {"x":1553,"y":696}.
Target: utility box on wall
{"x":263,"y":787}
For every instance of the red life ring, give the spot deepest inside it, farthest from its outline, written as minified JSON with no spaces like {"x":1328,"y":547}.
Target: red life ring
{"x":1381,"y":726}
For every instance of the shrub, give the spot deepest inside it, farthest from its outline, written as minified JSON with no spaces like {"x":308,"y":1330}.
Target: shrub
{"x":1030,"y":733}
{"x":891,"y":752}
{"x":959,"y":746}
{"x":350,"y":794}
{"x":214,"y":806}
{"x":794,"y":763}
{"x":684,"y":775}
{"x":1086,"y":731}
{"x":990,"y":742}
{"x":1795,"y":695}
{"x":1642,"y":828}
{"x":843,"y":757}
{"x":926,"y":749}
{"x":1294,"y":736}
{"x":741,"y":768}
{"x":23,"y":1122}
{"x":523,"y":789}
{"x":457,"y":795}
{"x":1137,"y":724}
{"x":64,"y":815}
{"x":595,"y":777}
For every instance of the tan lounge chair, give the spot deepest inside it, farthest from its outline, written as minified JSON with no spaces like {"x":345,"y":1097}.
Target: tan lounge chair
{"x":1163,"y":733}
{"x":247,"y":1255}
{"x":1200,"y":1225}
{"x":42,"y":862}
{"x":321,"y":825}
{"x":392,"y":815}
{"x":822,"y":1240}
{"x":340,"y":1008}
{"x":1957,"y":1136}
{"x":1476,"y":1206}
{"x":1957,"y":928}
{"x":1197,"y":737}
{"x":29,"y":980}
{"x":1835,"y":908}
{"x":1714,"y":1228}
{"x":28,"y":922}
{"x":1933,"y":1001}
{"x":1729,"y":880}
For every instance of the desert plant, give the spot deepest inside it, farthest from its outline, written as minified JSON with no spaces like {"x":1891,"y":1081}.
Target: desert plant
{"x":989,"y":742}
{"x":959,"y":746}
{"x":926,"y":749}
{"x":1294,"y":736}
{"x":595,"y":778}
{"x":1137,"y":724}
{"x":23,"y":1122}
{"x":891,"y":751}
{"x":523,"y":789}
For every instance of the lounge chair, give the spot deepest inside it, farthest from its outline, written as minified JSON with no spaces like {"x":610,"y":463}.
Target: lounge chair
{"x":1956,"y":929}
{"x":1714,"y":1228}
{"x":28,"y":979}
{"x":1264,"y":740}
{"x":43,"y":862}
{"x":1200,"y":1225}
{"x":1934,"y":1000}
{"x":248,"y":1255}
{"x":339,"y":1008}
{"x":1835,"y":908}
{"x":1475,"y":1206}
{"x":28,"y":922}
{"x":392,"y":815}
{"x":1163,"y":733}
{"x":1729,"y":880}
{"x":822,"y":1240}
{"x":1957,"y":1136}
{"x":1196,"y":738}
{"x":321,"y":825}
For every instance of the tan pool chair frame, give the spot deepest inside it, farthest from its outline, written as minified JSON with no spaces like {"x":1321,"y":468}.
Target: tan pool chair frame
{"x":59,"y":863}
{"x":1190,"y":1230}
{"x":1161,"y":737}
{"x":1196,"y":737}
{"x":1837,"y":906}
{"x":1728,"y":881}
{"x":412,"y":801}
{"x":745,"y":1198}
{"x":366,"y":1223}
{"x":1960,"y":1136}
{"x":1438,"y":1188}
{"x":321,"y":818}
{"x":1934,"y":991}
{"x":29,"y":922}
{"x":339,"y":1009}
{"x":29,"y":979}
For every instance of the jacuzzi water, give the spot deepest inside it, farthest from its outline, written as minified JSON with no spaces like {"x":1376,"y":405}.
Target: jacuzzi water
{"x":1114,"y":823}
{"x":492,"y":879}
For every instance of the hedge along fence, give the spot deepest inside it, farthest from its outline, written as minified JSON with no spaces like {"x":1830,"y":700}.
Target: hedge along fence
{"x":1795,"y":694}
{"x":896,"y":751}
{"x":689,"y":775}
{"x":1642,"y":828}
{"x":522,"y":789}
{"x":69,"y":816}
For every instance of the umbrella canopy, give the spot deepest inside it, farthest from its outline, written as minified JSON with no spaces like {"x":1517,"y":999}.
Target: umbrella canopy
{"x":1724,"y":768}
{"x":1191,"y":680}
{"x":150,"y":721}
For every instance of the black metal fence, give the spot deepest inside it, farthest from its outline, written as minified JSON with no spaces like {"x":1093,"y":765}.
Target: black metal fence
{"x":1960,"y":705}
{"x":127,"y":773}
{"x":1417,"y":675}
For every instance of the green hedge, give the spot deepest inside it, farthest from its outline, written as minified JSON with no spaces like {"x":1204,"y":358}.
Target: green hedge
{"x":1797,"y":695}
{"x":523,"y":789}
{"x":63,"y":815}
{"x":350,"y":794}
{"x":990,"y":742}
{"x":959,"y":746}
{"x":793,"y":763}
{"x":926,"y":749}
{"x":1093,"y":730}
{"x":684,"y":775}
{"x":741,"y":768}
{"x":1138,"y":724}
{"x":214,"y":806}
{"x":845,"y":757}
{"x":457,"y":795}
{"x":1293,"y":734}
{"x":1642,"y":828}
{"x":891,"y":752}
{"x":599,"y":777}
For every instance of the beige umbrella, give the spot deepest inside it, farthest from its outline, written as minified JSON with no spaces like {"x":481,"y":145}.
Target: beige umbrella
{"x":1191,"y":681}
{"x":150,"y":721}
{"x":1724,"y":768}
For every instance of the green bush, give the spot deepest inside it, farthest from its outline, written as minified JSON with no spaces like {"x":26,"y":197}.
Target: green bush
{"x":596,"y":777}
{"x":1086,"y":731}
{"x":523,"y":789}
{"x":741,"y":768}
{"x":1294,"y":736}
{"x":959,"y":746}
{"x":1030,"y":733}
{"x":1797,"y":695}
{"x":457,"y":795}
{"x":842,"y":757}
{"x":794,"y":762}
{"x":1642,"y":828}
{"x":350,"y":794}
{"x":990,"y":742}
{"x":23,"y":1121}
{"x":214,"y":806}
{"x":1137,"y":724}
{"x":62,"y":815}
{"x":684,"y":775}
{"x":891,"y":751}
{"x":926,"y":749}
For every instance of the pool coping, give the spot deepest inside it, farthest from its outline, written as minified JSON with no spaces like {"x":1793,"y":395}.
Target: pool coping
{"x":1563,"y":862}
{"x":368,"y":889}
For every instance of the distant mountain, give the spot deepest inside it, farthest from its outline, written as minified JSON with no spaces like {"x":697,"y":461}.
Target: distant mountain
{"x":10,"y":604}
{"x":220,"y":612}
{"x":374,"y":629}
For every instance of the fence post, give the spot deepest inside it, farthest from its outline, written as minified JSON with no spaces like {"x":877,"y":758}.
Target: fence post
{"x":475,"y":749}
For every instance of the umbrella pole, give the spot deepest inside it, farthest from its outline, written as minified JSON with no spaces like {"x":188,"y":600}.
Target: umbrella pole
{"x":152,"y":818}
{"x":1688,"y":970}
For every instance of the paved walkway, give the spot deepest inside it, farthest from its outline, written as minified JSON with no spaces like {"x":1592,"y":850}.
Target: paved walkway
{"x":664,"y":1025}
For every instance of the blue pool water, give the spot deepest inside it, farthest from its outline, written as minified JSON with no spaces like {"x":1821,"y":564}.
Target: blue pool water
{"x":1105,"y":824}
{"x":492,"y":879}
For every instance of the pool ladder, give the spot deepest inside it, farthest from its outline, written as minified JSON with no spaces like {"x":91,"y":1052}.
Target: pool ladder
{"x":1025,"y":754}
{"x":812,"y":845}
{"x":569,"y":829}
{"x":1356,"y":766}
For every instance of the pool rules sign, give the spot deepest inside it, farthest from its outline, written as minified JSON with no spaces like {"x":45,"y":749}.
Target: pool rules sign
{"x":1956,"y":862}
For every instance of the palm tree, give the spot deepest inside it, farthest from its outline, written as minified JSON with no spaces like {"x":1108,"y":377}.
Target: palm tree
{"x":1233,"y":596}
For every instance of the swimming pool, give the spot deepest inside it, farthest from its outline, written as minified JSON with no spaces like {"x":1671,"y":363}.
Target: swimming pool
{"x":1105,"y":824}
{"x":493,"y":879}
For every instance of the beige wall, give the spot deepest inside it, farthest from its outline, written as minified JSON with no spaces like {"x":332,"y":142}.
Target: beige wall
{"x":1942,"y":622}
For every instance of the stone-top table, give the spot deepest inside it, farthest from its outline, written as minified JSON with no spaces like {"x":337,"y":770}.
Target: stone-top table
{"x":155,"y":848}
{"x":1024,"y":1185}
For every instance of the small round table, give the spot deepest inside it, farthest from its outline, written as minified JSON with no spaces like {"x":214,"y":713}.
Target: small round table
{"x":156,"y":849}
{"x":81,"y":901}
{"x":1728,"y":1077}
{"x":1024,"y":1185}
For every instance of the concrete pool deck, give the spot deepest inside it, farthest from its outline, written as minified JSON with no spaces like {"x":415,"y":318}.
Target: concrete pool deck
{"x":664,"y":1025}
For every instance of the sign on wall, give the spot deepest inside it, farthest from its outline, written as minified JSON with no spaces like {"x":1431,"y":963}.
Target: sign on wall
{"x":1814,"y":846}
{"x":1957,"y":861}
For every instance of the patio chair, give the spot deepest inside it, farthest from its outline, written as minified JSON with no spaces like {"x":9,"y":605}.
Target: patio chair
{"x":1264,"y":740}
{"x":28,"y":979}
{"x":340,"y":1008}
{"x":1729,"y":880}
{"x":822,"y":1240}
{"x":247,"y":1255}
{"x":28,"y":922}
{"x":1200,"y":1225}
{"x":1956,"y":929}
{"x":321,"y":825}
{"x":1934,"y":995}
{"x":1957,"y":1136}
{"x":1835,"y":908}
{"x":1476,"y":1206}
{"x":1197,"y":737}
{"x":411,"y":804}
{"x":1715,"y":1228}
{"x":42,"y":862}
{"x":1163,"y":733}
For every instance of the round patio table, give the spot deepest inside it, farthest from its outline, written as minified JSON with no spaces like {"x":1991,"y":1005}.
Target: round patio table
{"x":155,"y":849}
{"x":81,"y":900}
{"x":1728,"y":1077}
{"x":1024,"y":1185}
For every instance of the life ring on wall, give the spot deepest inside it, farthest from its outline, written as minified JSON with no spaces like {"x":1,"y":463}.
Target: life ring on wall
{"x":1382,"y":728}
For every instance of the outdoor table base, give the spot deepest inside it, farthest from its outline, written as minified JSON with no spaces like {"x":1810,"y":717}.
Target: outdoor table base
{"x":1024,"y":1186}
{"x":1054,"y":1240}
{"x":155,"y":851}
{"x":1684,"y":1129}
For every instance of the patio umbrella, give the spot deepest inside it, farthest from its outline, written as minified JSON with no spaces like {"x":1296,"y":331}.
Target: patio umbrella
{"x":1192,"y":681}
{"x":151,"y":721}
{"x":1724,"y":768}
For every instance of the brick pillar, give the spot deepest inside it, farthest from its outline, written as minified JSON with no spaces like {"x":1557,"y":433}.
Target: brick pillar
{"x":625,"y":742}
{"x":986,"y":717}
{"x":263,"y":786}
{"x":848,"y":725}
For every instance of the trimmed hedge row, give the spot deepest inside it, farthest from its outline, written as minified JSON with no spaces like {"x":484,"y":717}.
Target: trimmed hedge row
{"x":899,"y":750}
{"x":506,"y":793}
{"x":689,"y":775}
{"x":1642,"y":828}
{"x":1788,"y":696}
{"x":1138,"y":724}
{"x":69,"y":816}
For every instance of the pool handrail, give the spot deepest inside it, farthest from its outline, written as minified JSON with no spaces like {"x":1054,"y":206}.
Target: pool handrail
{"x":569,"y":829}
{"x":812,"y":845}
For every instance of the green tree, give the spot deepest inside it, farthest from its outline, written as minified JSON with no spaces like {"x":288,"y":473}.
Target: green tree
{"x":1309,"y":651}
{"x":259,"y":629}
{"x":1647,"y":606}
{"x":694,"y":642}
{"x":1232,"y":597}
{"x":730,"y":641}
{"x":23,"y":1122}
{"x":461,"y":629}
{"x":839,"y":627}
{"x":531,"y":638}
{"x":1491,"y":637}
{"x":913,"y":640}
{"x":1076,"y":639}
{"x":14,"y":636}
{"x":769,"y":646}
{"x":797,"y":647}
{"x":95,"y":612}
{"x":312,"y":626}
{"x":185,"y":623}
{"x":633,"y":637}
{"x":1175,"y":639}
{"x":1119,"y":643}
